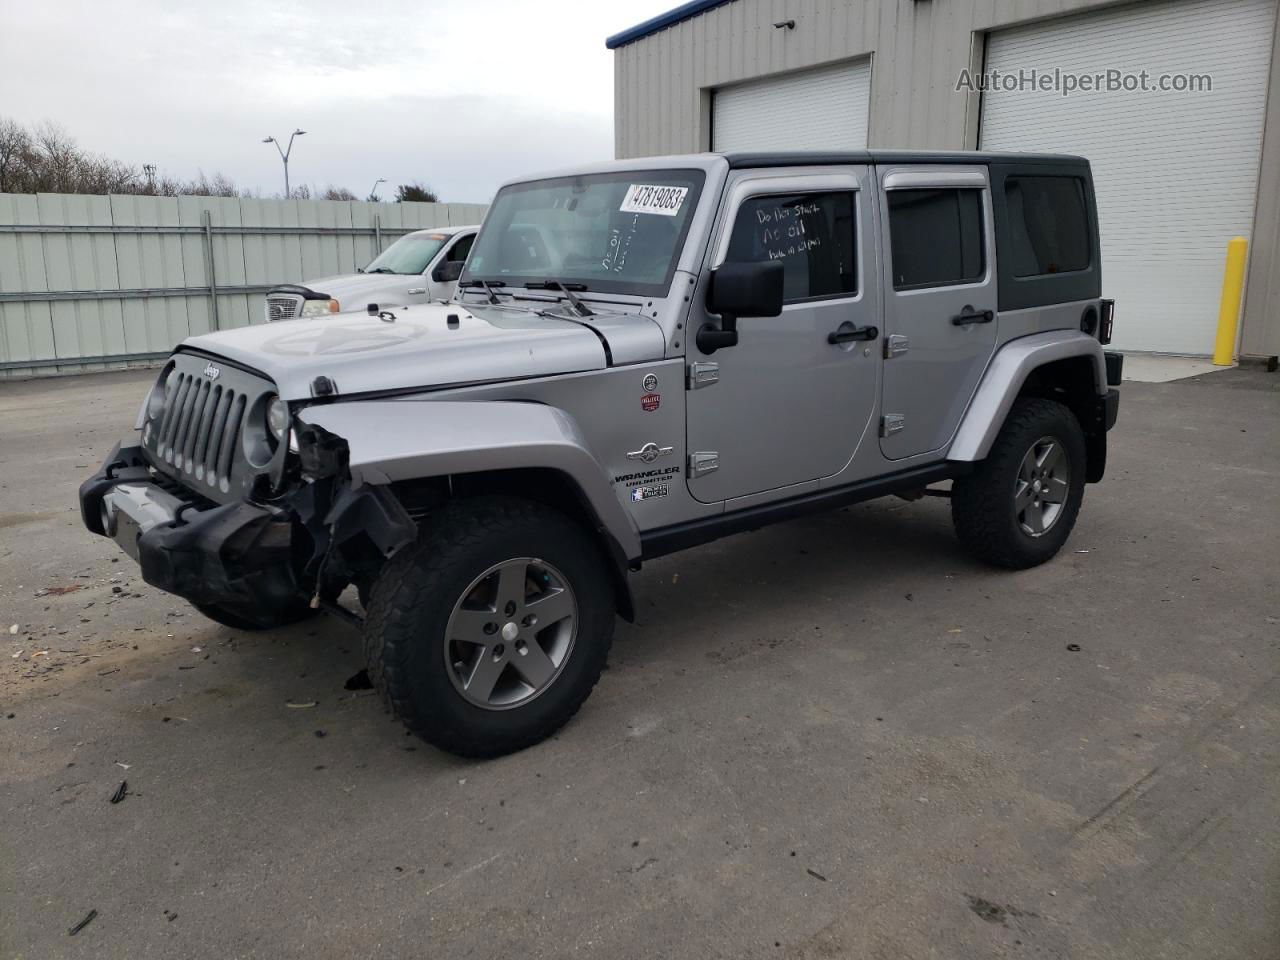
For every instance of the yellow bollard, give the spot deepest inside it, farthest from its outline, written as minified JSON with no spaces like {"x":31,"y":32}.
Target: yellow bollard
{"x":1229,"y":311}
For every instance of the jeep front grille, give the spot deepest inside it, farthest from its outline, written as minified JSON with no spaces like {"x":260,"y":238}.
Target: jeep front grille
{"x":282,"y":306}
{"x":206,"y":428}
{"x":199,"y":429}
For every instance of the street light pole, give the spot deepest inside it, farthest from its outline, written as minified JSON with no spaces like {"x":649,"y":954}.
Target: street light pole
{"x":373,"y":192}
{"x":284,"y":156}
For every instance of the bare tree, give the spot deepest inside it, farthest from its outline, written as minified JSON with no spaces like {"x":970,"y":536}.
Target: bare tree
{"x":61,"y":161}
{"x":47,"y":159}
{"x":15,"y":151}
{"x":219,"y":185}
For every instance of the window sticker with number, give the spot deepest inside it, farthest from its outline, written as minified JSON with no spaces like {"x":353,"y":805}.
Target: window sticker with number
{"x":660,"y":199}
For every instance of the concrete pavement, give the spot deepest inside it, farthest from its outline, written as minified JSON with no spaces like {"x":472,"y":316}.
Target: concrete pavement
{"x":837,"y":737}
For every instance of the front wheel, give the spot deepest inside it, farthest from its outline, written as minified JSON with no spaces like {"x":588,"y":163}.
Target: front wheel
{"x":1017,"y":508}
{"x":488,"y":634}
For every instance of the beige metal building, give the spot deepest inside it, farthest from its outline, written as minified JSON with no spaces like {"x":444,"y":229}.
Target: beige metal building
{"x":1176,"y":103}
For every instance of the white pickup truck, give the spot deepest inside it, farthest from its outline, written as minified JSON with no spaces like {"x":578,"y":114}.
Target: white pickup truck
{"x":419,"y":267}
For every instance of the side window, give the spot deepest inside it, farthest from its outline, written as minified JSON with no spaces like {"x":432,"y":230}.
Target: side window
{"x":1049,"y":225}
{"x":460,"y":249}
{"x":813,"y":234}
{"x":935,"y":237}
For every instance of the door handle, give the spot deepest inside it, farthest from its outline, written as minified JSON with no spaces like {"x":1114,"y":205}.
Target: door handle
{"x":969,"y":315}
{"x":847,"y":333}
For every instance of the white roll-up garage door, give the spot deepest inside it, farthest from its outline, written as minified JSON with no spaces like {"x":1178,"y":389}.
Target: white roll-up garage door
{"x":821,"y":109}
{"x":1175,"y":172}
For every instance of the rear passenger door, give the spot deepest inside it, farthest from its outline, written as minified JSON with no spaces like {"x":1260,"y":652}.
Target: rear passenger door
{"x":940,"y":301}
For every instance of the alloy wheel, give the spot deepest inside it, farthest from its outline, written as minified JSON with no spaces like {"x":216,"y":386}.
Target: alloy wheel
{"x":511,"y":633}
{"x":1041,"y":489}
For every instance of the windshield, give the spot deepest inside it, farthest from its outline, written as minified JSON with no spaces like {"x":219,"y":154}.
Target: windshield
{"x":613,"y":232}
{"x":408,"y":255}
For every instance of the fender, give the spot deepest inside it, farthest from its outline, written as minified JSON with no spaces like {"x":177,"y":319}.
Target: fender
{"x":1005,"y":376}
{"x":391,"y":440}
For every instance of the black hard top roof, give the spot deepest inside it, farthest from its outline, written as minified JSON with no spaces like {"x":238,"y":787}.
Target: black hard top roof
{"x":821,"y":158}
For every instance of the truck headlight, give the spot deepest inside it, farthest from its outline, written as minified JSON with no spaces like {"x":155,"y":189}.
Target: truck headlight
{"x":319,"y":308}
{"x":278,"y":418}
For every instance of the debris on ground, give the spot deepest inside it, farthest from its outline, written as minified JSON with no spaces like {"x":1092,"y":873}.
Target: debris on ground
{"x":1073,"y":647}
{"x":13,"y":630}
{"x":122,"y":791}
{"x":300,"y":705}
{"x":88,"y":919}
{"x":359,"y":681}
{"x":59,"y":591}
{"x":816,"y":875}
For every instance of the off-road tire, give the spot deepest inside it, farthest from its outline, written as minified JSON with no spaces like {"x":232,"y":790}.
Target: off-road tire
{"x":415,"y":594}
{"x":982,"y":502}
{"x":238,"y":619}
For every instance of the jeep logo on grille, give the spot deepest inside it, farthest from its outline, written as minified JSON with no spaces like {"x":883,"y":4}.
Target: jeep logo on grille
{"x":211,"y":371}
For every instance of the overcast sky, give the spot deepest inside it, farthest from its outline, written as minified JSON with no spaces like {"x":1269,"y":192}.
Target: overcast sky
{"x":460,"y":94}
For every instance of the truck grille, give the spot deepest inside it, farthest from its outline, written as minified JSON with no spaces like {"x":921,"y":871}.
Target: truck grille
{"x":201,"y":434}
{"x":283,"y":306}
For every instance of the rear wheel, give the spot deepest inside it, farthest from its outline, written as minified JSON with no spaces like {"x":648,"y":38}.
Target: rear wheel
{"x":1019,"y":505}
{"x":488,"y":634}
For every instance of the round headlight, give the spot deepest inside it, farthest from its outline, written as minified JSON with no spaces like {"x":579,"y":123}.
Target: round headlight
{"x":319,"y":308}
{"x":278,"y":418}
{"x":159,"y":395}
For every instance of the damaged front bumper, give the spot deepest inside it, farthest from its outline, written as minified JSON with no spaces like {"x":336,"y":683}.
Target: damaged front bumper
{"x":239,"y":554}
{"x":249,"y":557}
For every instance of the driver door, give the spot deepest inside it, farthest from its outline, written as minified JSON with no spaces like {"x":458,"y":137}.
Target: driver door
{"x":786,"y":405}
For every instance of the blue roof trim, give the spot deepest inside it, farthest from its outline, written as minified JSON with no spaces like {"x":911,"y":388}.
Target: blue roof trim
{"x":662,"y":21}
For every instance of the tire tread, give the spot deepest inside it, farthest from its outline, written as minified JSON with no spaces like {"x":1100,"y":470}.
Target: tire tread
{"x":979,"y":509}
{"x":399,"y":601}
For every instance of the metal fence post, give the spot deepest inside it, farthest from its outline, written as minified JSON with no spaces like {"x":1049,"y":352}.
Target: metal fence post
{"x":207,"y":219}
{"x":377,"y":233}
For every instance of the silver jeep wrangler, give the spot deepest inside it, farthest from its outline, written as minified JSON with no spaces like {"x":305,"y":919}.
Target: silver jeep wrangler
{"x":643,"y":356}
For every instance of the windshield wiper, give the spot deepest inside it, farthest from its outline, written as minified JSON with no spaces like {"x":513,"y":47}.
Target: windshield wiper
{"x":487,"y":286}
{"x":567,"y":289}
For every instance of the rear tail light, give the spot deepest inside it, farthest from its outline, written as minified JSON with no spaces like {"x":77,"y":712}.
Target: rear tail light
{"x":1108,"y":313}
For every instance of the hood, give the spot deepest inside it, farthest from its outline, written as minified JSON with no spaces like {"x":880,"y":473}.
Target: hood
{"x":353,"y":290}
{"x":360,"y":353}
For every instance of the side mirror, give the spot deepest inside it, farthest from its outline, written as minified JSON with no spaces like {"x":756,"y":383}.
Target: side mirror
{"x":751,"y":289}
{"x":448,"y":272}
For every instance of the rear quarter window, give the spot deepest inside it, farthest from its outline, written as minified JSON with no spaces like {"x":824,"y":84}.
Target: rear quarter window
{"x":1049,"y":225}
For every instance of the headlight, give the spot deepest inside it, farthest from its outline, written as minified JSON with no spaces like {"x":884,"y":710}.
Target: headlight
{"x":154,"y":403}
{"x":319,"y":308}
{"x":144,"y":412}
{"x":278,"y":418}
